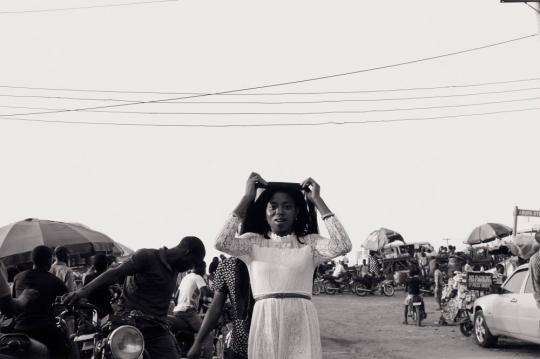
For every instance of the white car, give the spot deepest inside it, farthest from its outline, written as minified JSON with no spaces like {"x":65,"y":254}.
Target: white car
{"x":512,"y":313}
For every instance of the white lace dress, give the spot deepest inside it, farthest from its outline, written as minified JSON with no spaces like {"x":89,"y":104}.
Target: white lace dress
{"x":286,"y":328}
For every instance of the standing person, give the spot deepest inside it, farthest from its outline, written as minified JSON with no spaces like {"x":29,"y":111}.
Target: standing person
{"x":231,"y":283}
{"x":60,"y":268}
{"x":37,"y":320}
{"x":467,"y":267}
{"x":212,"y":270}
{"x":413,"y":289}
{"x":185,"y":313}
{"x":534,"y":268}
{"x":148,"y":289}
{"x":439,"y":282}
{"x":101,"y":297}
{"x":281,"y":248}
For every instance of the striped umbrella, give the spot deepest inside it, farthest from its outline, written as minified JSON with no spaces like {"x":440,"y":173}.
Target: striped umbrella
{"x":488,"y":232}
{"x":17,"y":240}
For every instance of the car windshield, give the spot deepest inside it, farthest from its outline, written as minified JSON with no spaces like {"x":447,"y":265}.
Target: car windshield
{"x":513,"y":285}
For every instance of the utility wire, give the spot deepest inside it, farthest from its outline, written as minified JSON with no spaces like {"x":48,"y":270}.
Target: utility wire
{"x":84,"y":7}
{"x":277,"y":102}
{"x":294,"y":113}
{"x":294,"y":82}
{"x":274,"y":93}
{"x":363,"y":122}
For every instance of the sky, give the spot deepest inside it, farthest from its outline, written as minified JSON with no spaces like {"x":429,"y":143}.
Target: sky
{"x":449,"y":143}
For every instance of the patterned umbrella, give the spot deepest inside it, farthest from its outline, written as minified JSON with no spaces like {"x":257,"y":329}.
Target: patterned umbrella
{"x":488,"y":232}
{"x":17,"y":240}
{"x":377,"y":239}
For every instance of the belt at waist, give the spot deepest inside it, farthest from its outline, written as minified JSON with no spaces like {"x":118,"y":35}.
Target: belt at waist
{"x":282,"y":295}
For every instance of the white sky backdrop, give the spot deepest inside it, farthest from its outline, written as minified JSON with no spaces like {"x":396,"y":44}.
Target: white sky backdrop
{"x":150,"y":186}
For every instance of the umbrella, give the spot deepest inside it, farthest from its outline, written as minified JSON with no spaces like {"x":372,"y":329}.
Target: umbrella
{"x":524,"y":245}
{"x":488,"y":232}
{"x":377,"y":239}
{"x":17,"y":240}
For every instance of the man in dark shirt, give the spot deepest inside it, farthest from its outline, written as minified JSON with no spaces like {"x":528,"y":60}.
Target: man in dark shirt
{"x":232,"y":282}
{"x":37,"y":320}
{"x":148,"y":289}
{"x":101,"y":297}
{"x":413,"y":289}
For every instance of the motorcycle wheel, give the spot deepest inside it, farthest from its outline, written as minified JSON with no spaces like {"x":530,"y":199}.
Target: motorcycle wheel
{"x":388,"y":290}
{"x":329,"y":289}
{"x":316,"y":289}
{"x":466,"y":328}
{"x":359,"y":289}
{"x":419,"y":316}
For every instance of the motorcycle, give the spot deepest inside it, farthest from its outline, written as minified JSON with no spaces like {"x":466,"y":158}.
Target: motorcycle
{"x":347,"y":283}
{"x":17,"y":345}
{"x":385,"y":287}
{"x":318,"y":285}
{"x":417,"y":310}
{"x":221,"y":341}
{"x":108,"y":338}
{"x":458,"y":308}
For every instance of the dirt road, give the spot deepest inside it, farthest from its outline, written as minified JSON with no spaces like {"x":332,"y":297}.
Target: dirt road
{"x":370,"y":327}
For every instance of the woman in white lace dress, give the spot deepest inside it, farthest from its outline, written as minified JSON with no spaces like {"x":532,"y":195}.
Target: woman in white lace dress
{"x":281,"y":248}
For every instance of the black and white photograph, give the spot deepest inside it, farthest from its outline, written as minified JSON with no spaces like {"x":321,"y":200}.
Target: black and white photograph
{"x":298,"y":179}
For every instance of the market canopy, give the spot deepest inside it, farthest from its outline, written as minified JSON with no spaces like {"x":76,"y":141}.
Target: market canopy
{"x":17,"y":240}
{"x":380,"y":237}
{"x":488,"y":232}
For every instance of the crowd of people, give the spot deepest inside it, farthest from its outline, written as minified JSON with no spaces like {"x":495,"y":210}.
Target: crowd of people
{"x":273,"y":239}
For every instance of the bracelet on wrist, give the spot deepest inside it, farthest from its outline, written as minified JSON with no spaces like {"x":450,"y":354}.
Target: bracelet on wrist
{"x":327,"y":215}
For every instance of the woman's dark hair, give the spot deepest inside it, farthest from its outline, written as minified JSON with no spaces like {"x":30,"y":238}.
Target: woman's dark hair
{"x":306,"y":222}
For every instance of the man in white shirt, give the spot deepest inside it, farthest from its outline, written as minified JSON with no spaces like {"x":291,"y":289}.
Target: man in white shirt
{"x":185,"y":312}
{"x":339,"y":270}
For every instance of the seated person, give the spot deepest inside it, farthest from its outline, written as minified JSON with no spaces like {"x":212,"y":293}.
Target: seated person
{"x":339,"y":271}
{"x":38,"y":320}
{"x":185,"y":313}
{"x":10,"y":306}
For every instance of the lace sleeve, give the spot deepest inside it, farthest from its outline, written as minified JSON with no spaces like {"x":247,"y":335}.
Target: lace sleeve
{"x":228,"y":242}
{"x":338,"y":244}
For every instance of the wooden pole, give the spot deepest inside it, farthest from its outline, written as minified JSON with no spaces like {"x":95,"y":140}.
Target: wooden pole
{"x":515,"y":221}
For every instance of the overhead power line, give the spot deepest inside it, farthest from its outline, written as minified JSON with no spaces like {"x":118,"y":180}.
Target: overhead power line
{"x":84,"y":7}
{"x":277,"y":124}
{"x":278,"y":102}
{"x":271,"y":93}
{"x":294,"y":113}
{"x":275,"y":102}
{"x":292,"y":82}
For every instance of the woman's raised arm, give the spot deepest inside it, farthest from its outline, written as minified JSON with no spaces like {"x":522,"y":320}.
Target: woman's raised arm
{"x":227,"y":240}
{"x":339,"y":243}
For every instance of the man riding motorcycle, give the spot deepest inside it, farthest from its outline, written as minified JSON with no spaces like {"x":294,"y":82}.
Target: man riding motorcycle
{"x":413,"y":290}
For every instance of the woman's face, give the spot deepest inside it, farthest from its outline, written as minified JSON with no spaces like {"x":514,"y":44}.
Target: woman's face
{"x":281,"y":213}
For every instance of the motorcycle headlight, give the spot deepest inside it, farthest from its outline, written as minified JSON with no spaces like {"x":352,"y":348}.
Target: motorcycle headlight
{"x":126,"y":342}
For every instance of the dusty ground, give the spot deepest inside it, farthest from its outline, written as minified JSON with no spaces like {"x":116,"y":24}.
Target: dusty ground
{"x":370,"y":327}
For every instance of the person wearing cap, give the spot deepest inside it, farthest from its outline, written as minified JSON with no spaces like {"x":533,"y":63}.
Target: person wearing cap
{"x":281,"y":247}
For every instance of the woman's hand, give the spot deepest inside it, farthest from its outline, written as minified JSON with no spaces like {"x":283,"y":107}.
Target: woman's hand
{"x":254,"y":181}
{"x":313,"y":190}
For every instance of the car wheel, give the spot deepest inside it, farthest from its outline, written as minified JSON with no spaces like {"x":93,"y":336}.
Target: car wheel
{"x":482,"y":335}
